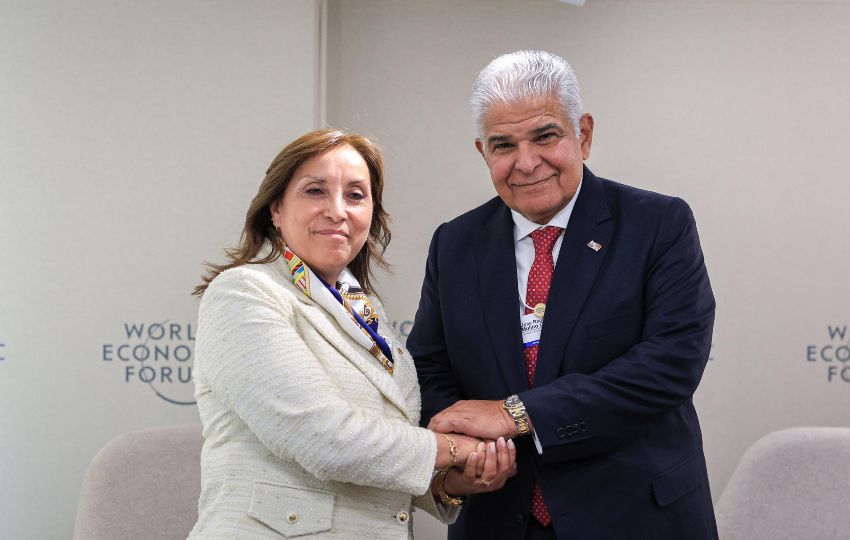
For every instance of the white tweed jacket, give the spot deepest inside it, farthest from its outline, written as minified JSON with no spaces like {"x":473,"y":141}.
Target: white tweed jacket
{"x":305,"y":433}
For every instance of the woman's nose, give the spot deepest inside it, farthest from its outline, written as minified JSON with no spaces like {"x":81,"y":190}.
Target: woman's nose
{"x":335,"y":209}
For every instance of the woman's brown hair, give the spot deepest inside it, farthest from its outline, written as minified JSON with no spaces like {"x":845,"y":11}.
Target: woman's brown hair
{"x":258,"y":221}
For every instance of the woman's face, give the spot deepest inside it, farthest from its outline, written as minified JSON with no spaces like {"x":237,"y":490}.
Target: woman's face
{"x":326,"y":210}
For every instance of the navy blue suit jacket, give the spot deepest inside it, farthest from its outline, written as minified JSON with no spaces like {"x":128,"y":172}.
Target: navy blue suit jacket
{"x":625,"y":341}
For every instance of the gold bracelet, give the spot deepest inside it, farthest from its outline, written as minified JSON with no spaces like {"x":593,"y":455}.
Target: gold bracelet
{"x":445,"y":498}
{"x":452,"y":452}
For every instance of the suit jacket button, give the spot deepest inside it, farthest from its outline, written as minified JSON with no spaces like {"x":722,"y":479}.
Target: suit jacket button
{"x":520,"y":518}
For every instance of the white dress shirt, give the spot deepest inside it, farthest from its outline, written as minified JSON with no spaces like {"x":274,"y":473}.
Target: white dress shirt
{"x":524,"y":246}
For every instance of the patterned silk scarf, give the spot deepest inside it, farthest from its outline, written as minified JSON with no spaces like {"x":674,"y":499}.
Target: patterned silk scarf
{"x":349,"y":306}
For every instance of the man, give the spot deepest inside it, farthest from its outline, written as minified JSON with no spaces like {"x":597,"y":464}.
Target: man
{"x":600,"y":401}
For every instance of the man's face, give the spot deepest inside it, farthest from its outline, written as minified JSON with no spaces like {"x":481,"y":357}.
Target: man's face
{"x":534,"y":156}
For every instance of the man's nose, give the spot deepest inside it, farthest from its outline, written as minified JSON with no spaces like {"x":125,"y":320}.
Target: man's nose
{"x":527,"y":158}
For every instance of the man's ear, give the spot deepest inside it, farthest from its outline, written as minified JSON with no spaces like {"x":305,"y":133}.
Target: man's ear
{"x":479,"y":146}
{"x":586,"y":134}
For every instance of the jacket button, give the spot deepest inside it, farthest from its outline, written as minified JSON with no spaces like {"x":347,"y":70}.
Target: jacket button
{"x":520,"y":518}
{"x":292,"y":517}
{"x":402,"y":517}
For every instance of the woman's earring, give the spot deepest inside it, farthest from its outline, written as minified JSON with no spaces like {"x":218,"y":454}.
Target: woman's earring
{"x":277,"y":230}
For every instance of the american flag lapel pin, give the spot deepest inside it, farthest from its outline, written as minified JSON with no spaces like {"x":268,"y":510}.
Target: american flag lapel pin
{"x":595,"y":246}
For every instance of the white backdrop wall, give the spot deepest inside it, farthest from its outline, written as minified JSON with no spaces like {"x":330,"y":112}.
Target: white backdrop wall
{"x":132,"y":138}
{"x":740,"y":107}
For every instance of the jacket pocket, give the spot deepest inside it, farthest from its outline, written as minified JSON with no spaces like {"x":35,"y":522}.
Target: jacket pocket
{"x":678,"y":482}
{"x":290,"y":510}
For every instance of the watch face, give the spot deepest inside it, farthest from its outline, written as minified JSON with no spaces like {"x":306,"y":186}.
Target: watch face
{"x":512,"y":401}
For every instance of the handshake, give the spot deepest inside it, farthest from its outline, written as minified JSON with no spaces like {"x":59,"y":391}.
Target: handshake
{"x":475,"y":450}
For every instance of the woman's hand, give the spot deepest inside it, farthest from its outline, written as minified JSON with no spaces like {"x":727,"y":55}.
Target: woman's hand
{"x":486,"y":470}
{"x":464,"y":444}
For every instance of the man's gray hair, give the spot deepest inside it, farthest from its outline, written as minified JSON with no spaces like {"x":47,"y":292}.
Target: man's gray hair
{"x":521,"y":75}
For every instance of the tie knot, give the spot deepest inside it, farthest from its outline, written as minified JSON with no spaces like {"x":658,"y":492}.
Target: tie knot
{"x":544,"y":238}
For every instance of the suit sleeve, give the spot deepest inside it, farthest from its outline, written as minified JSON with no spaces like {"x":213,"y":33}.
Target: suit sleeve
{"x":427,"y":344}
{"x":259,"y":366}
{"x":604,"y":410}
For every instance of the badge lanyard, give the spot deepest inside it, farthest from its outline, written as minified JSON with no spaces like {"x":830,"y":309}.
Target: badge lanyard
{"x":531,"y":324}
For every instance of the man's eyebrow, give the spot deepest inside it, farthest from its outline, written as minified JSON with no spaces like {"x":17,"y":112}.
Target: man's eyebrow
{"x":547,"y":127}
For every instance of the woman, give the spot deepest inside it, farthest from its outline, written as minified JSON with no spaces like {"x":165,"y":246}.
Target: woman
{"x":309,"y":401}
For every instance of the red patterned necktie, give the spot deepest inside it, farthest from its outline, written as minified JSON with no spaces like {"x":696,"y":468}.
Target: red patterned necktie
{"x":539,"y":278}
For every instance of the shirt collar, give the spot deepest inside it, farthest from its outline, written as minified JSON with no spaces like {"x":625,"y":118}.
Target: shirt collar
{"x":347,"y":281}
{"x":524,"y":226}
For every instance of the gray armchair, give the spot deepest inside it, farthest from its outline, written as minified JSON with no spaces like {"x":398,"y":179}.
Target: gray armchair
{"x":143,"y":485}
{"x":790,"y":484}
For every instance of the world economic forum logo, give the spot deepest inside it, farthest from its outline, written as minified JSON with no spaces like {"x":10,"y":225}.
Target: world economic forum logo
{"x":157,"y":354}
{"x":834,"y":354}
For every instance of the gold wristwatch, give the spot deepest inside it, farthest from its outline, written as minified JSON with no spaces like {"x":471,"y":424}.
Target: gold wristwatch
{"x":516,"y":409}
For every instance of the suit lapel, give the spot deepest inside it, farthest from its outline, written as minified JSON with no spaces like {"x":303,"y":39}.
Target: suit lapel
{"x":575,"y":273}
{"x":404,"y":376}
{"x":500,"y":297}
{"x":354,"y":353}
{"x":326,"y":325}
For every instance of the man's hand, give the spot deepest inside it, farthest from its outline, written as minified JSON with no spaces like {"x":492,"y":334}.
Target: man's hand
{"x":478,"y":418}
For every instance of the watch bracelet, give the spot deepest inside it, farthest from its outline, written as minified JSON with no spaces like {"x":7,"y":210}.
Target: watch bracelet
{"x":519,"y":415}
